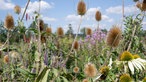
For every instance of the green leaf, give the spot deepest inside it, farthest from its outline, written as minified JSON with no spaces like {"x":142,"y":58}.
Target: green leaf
{"x":64,"y":79}
{"x":55,"y":71}
{"x":26,"y":72}
{"x":45,"y":78}
{"x":42,"y":75}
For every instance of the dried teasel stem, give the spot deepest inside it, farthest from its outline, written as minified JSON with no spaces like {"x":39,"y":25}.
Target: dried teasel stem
{"x":133,"y":34}
{"x":25,"y":10}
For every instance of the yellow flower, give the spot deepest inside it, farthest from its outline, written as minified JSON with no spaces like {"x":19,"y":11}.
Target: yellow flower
{"x":144,"y":79}
{"x":126,"y":56}
{"x":104,"y":70}
{"x":136,"y":56}
{"x":125,"y":78}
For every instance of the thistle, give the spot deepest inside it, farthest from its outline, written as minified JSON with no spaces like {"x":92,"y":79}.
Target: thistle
{"x":88,"y":31}
{"x":9,"y":22}
{"x":114,"y":36}
{"x":76,"y":69}
{"x":17,"y":9}
{"x":90,"y":70}
{"x":98,"y":16}
{"x":81,"y":8}
{"x":125,"y":78}
{"x":60,"y":32}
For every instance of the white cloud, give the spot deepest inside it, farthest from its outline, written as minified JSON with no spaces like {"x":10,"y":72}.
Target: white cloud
{"x":118,"y":9}
{"x":34,"y":6}
{"x":49,"y":19}
{"x":5,"y":5}
{"x":73,"y":18}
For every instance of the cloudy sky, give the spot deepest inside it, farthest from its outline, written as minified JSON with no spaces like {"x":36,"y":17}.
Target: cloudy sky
{"x":63,"y":12}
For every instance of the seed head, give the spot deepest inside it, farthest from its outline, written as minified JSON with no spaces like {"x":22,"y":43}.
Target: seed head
{"x":43,"y":39}
{"x":60,"y":32}
{"x":76,"y":69}
{"x":48,"y":31}
{"x":104,"y":70}
{"x":6,"y":59}
{"x":138,"y":4}
{"x":90,"y":70}
{"x":85,"y":80}
{"x":88,"y":31}
{"x":81,"y":8}
{"x":9,"y":22}
{"x":76,"y":45}
{"x":125,"y":78}
{"x":98,"y":16}
{"x":41,"y":23}
{"x":144,"y":79}
{"x":135,"y":56}
{"x":114,"y":36}
{"x":143,"y":7}
{"x":126,"y":56}
{"x":17,"y":9}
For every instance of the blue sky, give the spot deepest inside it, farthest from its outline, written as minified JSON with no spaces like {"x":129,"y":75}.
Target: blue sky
{"x":63,"y":12}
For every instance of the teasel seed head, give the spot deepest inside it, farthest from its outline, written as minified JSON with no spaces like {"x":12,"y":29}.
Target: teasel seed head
{"x":88,"y":31}
{"x":98,"y":16}
{"x":41,"y":25}
{"x":6,"y":59}
{"x":125,"y":78}
{"x":81,"y":8}
{"x":76,"y":45}
{"x":9,"y":22}
{"x":17,"y":9}
{"x":76,"y":70}
{"x":48,"y":30}
{"x":90,"y":70}
{"x":60,"y":32}
{"x":85,"y":80}
{"x":135,"y":56}
{"x":138,"y":5}
{"x":43,"y":39}
{"x":114,"y":36}
{"x":126,"y":56}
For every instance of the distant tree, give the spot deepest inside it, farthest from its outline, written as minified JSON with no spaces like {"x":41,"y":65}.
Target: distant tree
{"x":3,"y":32}
{"x":70,"y":30}
{"x":83,"y":31}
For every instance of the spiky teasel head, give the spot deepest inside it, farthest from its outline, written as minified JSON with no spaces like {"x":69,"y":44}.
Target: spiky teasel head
{"x":104,"y":70}
{"x":17,"y":9}
{"x":76,"y":69}
{"x":41,"y":25}
{"x":126,"y":56}
{"x":6,"y":59}
{"x":114,"y":36}
{"x":138,"y":4}
{"x":60,"y":32}
{"x":135,"y":56}
{"x":43,"y":39}
{"x":98,"y":16}
{"x":143,"y":7}
{"x":81,"y":8}
{"x":9,"y":22}
{"x":144,"y":79}
{"x":90,"y":70}
{"x":48,"y":30}
{"x":125,"y":78}
{"x":76,"y":45}
{"x":88,"y":31}
{"x":85,"y":80}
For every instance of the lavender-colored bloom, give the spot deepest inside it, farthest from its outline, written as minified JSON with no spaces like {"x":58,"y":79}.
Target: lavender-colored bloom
{"x":46,"y":58}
